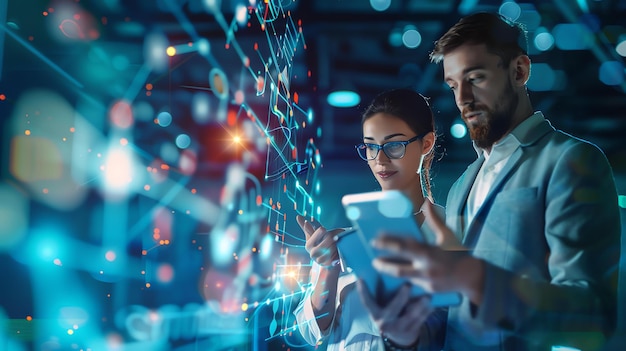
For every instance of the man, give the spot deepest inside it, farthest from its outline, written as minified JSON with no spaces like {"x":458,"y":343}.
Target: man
{"x":537,"y":211}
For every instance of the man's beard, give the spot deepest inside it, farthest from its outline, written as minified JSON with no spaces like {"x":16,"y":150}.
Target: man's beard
{"x":491,"y":125}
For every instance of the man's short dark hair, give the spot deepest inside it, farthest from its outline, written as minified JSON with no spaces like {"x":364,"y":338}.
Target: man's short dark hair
{"x":502,"y":37}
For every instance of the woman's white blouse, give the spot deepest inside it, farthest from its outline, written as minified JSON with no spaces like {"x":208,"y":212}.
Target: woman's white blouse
{"x":352,"y":328}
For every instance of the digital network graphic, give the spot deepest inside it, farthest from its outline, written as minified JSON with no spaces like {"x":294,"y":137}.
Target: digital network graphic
{"x":149,"y":188}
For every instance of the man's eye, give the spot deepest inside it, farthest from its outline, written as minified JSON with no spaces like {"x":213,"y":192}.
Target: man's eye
{"x":475,"y":80}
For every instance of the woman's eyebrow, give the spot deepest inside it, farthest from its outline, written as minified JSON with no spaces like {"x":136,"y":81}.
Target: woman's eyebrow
{"x":387,"y":137}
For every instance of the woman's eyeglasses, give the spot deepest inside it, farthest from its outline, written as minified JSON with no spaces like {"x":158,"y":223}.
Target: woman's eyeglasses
{"x":393,"y":149}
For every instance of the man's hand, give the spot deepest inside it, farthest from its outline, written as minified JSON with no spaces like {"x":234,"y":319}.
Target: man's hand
{"x":444,"y":268}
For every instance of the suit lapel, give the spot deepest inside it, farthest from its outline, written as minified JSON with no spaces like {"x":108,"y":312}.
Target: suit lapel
{"x":525,"y":140}
{"x":462,"y":192}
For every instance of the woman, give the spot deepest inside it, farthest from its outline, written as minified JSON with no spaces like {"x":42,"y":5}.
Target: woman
{"x":398,"y":141}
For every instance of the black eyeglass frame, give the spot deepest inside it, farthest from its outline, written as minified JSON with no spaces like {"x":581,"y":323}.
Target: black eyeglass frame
{"x":378,"y":147}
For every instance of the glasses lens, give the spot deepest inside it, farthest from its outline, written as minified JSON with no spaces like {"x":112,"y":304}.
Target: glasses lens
{"x":394,"y":149}
{"x":372,"y":151}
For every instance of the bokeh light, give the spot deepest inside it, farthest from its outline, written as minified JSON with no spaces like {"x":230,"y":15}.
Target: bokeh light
{"x":411,"y":38}
{"x":544,"y":41}
{"x":458,"y":130}
{"x":572,"y":36}
{"x":510,"y":10}
{"x":164,"y":119}
{"x":183,"y":141}
{"x":380,"y":5}
{"x":612,"y":73}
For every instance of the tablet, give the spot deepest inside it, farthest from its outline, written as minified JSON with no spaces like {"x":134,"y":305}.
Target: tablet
{"x":372,"y":213}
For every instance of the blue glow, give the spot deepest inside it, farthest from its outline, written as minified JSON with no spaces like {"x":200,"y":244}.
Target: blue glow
{"x":612,"y":73}
{"x":572,"y":36}
{"x":266,"y":247}
{"x":183,"y":141}
{"x":622,"y":201}
{"x":411,"y":38}
{"x":200,"y":107}
{"x":120,"y":62}
{"x":542,"y":78}
{"x":309,"y":115}
{"x":395,"y":38}
{"x":319,"y":211}
{"x":164,"y":119}
{"x":343,"y":98}
{"x":467,"y":6}
{"x":380,"y":5}
{"x":458,"y":130}
{"x":564,"y":348}
{"x":204,"y":48}
{"x":353,"y":213}
{"x":621,"y":47}
{"x":510,"y":10}
{"x":544,"y":41}
{"x":584,"y":7}
{"x":319,"y":132}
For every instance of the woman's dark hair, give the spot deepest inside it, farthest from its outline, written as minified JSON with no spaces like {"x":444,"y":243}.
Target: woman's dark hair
{"x":502,"y":37}
{"x":413,"y":108}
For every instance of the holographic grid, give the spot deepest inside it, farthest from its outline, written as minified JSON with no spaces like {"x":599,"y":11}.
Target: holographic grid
{"x":148,"y":200}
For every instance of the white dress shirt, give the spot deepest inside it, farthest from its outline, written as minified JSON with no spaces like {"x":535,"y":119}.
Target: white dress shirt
{"x":355,"y":330}
{"x":493,"y":164}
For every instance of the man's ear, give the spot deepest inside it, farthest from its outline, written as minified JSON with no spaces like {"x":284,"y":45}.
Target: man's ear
{"x":521,"y":66}
{"x":428,"y":142}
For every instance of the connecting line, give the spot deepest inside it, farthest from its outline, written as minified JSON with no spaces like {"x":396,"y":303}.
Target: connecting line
{"x":38,"y":54}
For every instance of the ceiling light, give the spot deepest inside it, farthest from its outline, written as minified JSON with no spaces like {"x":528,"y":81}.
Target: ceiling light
{"x":343,"y":98}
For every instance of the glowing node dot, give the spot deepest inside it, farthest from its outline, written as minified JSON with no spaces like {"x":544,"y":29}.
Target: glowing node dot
{"x":171,"y":51}
{"x":72,"y":130}
{"x":237,"y":139}
{"x":27,"y":132}
{"x":146,"y":187}
{"x":148,"y":86}
{"x":240,"y":212}
{"x":244,"y":306}
{"x":45,"y":190}
{"x":123,"y":141}
{"x":29,"y":318}
{"x":3,"y":97}
{"x":57,"y":262}
{"x":148,"y":285}
{"x":144,"y":252}
{"x":110,"y":256}
{"x":70,"y":332}
{"x":193,"y":191}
